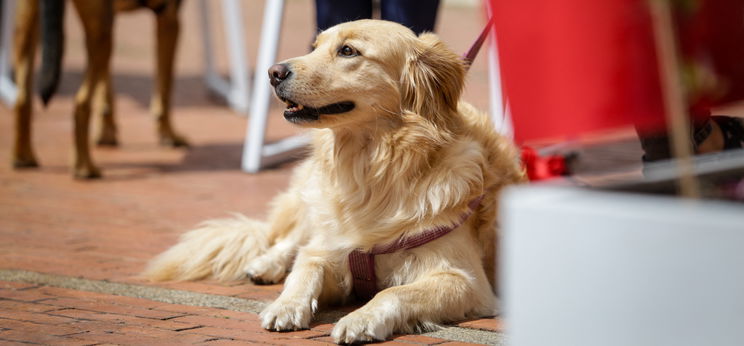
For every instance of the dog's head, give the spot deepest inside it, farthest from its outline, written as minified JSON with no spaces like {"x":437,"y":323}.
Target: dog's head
{"x":369,"y":71}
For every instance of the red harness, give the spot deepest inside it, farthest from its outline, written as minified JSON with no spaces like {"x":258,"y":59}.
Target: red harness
{"x":362,"y":264}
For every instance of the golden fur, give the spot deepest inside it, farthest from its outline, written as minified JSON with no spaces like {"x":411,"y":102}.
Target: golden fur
{"x":407,"y":158}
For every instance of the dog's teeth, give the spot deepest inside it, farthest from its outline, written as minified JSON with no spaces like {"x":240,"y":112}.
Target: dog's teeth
{"x":300,"y":107}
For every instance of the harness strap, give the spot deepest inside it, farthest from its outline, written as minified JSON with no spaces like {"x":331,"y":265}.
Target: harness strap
{"x":362,"y":264}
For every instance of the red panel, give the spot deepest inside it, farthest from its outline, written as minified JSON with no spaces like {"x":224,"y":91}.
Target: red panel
{"x":575,"y":66}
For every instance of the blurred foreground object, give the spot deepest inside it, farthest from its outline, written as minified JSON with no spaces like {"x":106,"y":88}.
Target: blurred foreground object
{"x":587,"y":268}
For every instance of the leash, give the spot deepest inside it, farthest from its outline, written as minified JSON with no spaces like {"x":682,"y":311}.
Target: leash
{"x":470,"y":55}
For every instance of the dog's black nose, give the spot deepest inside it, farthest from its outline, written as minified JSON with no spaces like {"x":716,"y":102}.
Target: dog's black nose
{"x":278,"y":73}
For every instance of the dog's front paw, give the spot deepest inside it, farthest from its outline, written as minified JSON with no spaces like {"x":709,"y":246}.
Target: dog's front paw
{"x":362,"y":326}
{"x":286,"y":314}
{"x":265,"y":270}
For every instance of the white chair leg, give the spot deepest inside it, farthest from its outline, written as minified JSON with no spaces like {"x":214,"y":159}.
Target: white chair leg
{"x":235,"y":90}
{"x":213,"y":80}
{"x":8,"y":89}
{"x":238,"y":97}
{"x":257,"y":154}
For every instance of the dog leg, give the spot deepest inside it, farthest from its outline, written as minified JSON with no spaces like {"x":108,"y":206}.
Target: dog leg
{"x":295,"y":307}
{"x":104,"y":96}
{"x":286,"y":235}
{"x":432,"y":299}
{"x":271,"y":267}
{"x":97,"y":19}
{"x":25,"y":41}
{"x":168,"y":27}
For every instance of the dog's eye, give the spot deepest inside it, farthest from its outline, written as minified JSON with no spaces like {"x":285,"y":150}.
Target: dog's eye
{"x":347,"y":51}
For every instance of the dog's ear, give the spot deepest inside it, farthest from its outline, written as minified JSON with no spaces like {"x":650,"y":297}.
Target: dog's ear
{"x":432,"y":79}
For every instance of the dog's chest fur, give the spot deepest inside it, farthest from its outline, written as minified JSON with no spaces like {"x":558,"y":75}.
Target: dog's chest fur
{"x":361,"y":194}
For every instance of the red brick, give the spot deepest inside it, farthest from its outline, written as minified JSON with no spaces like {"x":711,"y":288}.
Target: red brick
{"x":28,"y":295}
{"x":116,"y":338}
{"x":326,"y":339}
{"x":162,"y":334}
{"x":419,"y":339}
{"x":238,"y":334}
{"x":488,"y":324}
{"x":102,"y":306}
{"x":190,"y":310}
{"x":224,"y":326}
{"x":326,"y":327}
{"x":35,"y":317}
{"x":210,"y":312}
{"x":393,"y":343}
{"x":225,"y":342}
{"x":190,"y":338}
{"x":88,"y":326}
{"x":278,"y":338}
{"x":123,"y":319}
{"x":30,"y":327}
{"x":229,"y":314}
{"x":40,"y":338}
{"x":309,"y":342}
{"x":15,"y":305}
{"x":209,"y":321}
{"x":101,"y":329}
{"x":304,"y":334}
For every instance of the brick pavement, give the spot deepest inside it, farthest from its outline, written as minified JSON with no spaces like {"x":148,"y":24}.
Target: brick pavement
{"x":33,"y":313}
{"x":71,"y":251}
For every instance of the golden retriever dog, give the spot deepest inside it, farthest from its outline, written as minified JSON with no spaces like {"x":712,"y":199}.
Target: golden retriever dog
{"x":395,"y":154}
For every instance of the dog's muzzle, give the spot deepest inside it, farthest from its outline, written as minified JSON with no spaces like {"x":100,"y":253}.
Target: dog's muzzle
{"x":296,"y":112}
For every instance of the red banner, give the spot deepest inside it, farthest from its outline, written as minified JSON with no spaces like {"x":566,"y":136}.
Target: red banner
{"x":572,"y":67}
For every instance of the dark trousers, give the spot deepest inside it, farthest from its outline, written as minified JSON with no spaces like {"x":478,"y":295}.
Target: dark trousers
{"x":419,"y":15}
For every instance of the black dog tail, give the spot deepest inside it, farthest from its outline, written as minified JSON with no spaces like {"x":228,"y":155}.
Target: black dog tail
{"x":52,"y":46}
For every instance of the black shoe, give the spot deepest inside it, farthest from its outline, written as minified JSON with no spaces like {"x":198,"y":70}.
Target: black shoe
{"x":733,"y":131}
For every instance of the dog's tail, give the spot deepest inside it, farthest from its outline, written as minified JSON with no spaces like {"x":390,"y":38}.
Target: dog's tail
{"x":217,"y":249}
{"x":52,"y":46}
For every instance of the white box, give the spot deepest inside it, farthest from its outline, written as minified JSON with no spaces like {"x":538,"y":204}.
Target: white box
{"x":589,"y":268}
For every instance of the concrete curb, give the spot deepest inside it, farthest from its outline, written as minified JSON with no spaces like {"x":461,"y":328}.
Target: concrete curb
{"x":172,"y":296}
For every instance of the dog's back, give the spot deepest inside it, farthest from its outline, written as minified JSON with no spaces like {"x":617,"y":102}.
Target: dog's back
{"x":503,"y":169}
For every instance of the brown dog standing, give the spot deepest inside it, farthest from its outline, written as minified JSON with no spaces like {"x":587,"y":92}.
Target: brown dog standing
{"x":97,"y":21}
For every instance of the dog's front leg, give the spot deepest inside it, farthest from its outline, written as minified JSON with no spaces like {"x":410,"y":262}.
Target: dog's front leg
{"x":294,"y":308}
{"x":432,"y":299}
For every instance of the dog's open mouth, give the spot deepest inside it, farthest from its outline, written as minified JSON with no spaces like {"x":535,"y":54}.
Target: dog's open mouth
{"x":297,"y":113}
